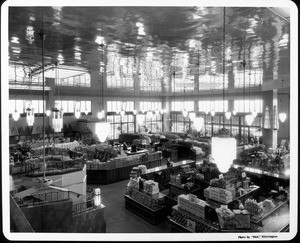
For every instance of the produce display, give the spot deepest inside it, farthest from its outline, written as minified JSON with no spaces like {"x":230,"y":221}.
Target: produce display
{"x":201,"y":225}
{"x":220,"y":183}
{"x":226,"y":218}
{"x":253,"y":207}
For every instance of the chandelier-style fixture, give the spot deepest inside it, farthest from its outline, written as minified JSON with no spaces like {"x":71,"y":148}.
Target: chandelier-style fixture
{"x":16,"y":114}
{"x":134,"y":112}
{"x":102,"y":130}
{"x":77,"y":110}
{"x":234,"y":112}
{"x":249,"y":119}
{"x":48,"y":113}
{"x":57,"y":120}
{"x":101,"y":113}
{"x":212,"y":112}
{"x":30,"y":115}
{"x":184,"y":112}
{"x":282,"y":115}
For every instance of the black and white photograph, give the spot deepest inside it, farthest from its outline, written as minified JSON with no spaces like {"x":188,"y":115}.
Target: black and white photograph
{"x":149,"y":121}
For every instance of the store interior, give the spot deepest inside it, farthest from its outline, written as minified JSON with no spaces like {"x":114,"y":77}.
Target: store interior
{"x":153,"y":119}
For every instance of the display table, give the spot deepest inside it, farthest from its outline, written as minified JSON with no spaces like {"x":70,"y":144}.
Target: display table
{"x":183,"y":221}
{"x":235,"y":202}
{"x":161,"y":174}
{"x":176,"y":190}
{"x":99,"y":174}
{"x":153,"y":216}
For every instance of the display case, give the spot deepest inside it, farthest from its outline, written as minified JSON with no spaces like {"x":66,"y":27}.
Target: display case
{"x":149,"y":207}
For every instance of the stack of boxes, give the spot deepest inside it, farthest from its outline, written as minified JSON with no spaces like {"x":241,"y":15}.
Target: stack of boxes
{"x":197,"y":208}
{"x":151,"y":187}
{"x":175,"y":179}
{"x":218,"y":194}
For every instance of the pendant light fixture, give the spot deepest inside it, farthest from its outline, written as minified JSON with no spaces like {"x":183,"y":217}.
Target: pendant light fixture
{"x":212,"y":103}
{"x":16,"y":114}
{"x":227,"y":113}
{"x":192,"y":116}
{"x":282,"y":115}
{"x":57,"y":119}
{"x":77,"y":110}
{"x":101,"y":113}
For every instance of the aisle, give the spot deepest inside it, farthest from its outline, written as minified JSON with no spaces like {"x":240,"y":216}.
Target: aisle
{"x":121,"y":220}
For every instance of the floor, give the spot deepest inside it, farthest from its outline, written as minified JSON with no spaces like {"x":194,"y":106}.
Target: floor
{"x":121,"y":220}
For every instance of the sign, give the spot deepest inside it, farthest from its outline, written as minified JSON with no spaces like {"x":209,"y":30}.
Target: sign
{"x":244,"y":174}
{"x":191,"y":225}
{"x":280,"y":188}
{"x":221,"y":176}
{"x":192,"y":198}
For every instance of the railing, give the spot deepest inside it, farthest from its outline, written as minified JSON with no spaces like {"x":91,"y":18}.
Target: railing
{"x":42,"y":198}
{"x":83,"y":207}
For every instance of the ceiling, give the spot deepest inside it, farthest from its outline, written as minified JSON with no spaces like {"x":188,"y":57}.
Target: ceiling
{"x":78,"y":36}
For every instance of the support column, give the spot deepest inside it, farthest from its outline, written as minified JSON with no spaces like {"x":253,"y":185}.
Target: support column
{"x":270,"y":134}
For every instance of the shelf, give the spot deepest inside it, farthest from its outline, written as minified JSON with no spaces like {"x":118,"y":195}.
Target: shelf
{"x":262,"y":172}
{"x":215,"y":204}
{"x":163,"y":167}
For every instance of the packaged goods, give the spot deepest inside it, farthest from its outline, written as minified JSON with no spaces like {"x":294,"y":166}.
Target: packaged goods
{"x":151,"y":187}
{"x":242,"y":219}
{"x":226,"y":218}
{"x":197,"y":208}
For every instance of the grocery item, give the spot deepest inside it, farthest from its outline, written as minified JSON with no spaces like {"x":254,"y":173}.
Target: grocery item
{"x":253,"y":207}
{"x":226,"y":218}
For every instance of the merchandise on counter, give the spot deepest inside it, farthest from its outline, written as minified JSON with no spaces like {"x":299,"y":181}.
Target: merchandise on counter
{"x":246,"y":183}
{"x":226,"y":218}
{"x":253,"y":207}
{"x":221,"y":183}
{"x":267,"y":205}
{"x":242,"y":219}
{"x":197,"y":208}
{"x":151,"y":187}
{"x":219,"y":194}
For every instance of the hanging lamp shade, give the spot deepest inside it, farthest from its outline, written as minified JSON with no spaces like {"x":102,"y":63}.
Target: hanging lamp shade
{"x":206,"y":111}
{"x":184,"y":112}
{"x":16,"y":115}
{"x":122,"y":112}
{"x":48,"y":112}
{"x":101,"y":114}
{"x":86,"y":112}
{"x":102,"y":130}
{"x":140,"y":119}
{"x":267,"y":123}
{"x":254,"y":113}
{"x":227,"y":115}
{"x":57,"y":120}
{"x":157,"y":112}
{"x":134,"y":112}
{"x":118,"y":111}
{"x":198,"y":123}
{"x":77,"y":114}
{"x":282,"y":117}
{"x":192,"y":116}
{"x":249,"y":119}
{"x":212,"y":112}
{"x":30,"y":116}
{"x":234,"y":112}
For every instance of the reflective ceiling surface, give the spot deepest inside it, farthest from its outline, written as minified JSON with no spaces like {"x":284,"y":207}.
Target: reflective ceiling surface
{"x":161,"y":37}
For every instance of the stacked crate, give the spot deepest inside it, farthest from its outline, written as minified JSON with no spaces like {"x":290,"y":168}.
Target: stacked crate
{"x":219,"y":194}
